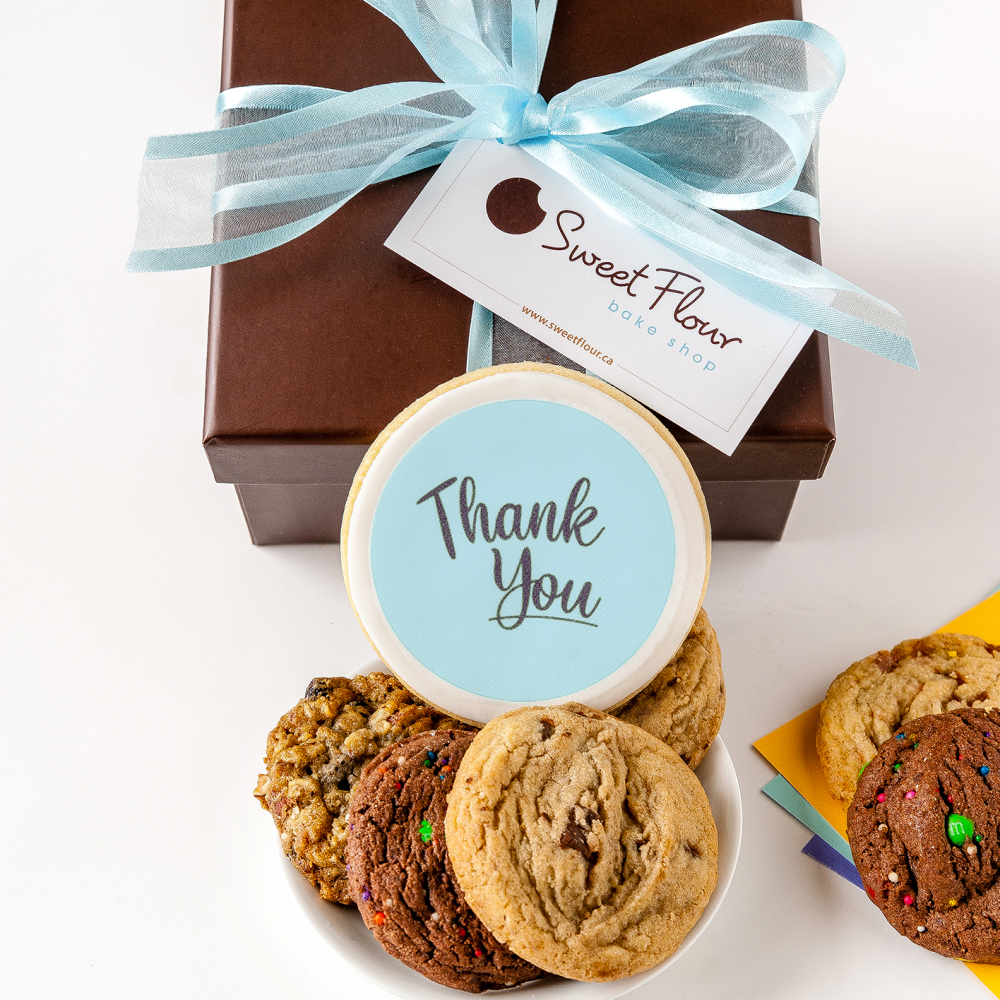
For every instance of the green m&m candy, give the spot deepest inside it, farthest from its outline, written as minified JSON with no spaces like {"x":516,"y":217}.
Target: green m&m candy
{"x":960,"y":828}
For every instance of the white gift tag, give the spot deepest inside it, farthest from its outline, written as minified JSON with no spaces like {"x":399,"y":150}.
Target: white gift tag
{"x":521,"y":240}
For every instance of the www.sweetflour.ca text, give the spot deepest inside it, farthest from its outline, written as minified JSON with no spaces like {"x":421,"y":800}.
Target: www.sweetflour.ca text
{"x":579,"y":341}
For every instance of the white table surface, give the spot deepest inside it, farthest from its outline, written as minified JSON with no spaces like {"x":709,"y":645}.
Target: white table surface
{"x":147,"y":647}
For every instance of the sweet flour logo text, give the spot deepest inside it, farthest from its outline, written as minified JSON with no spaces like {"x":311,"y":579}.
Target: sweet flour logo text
{"x":687,"y":288}
{"x":512,"y":207}
{"x":523,"y":595}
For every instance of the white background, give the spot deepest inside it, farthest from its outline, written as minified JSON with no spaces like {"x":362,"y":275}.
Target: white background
{"x":148,"y":647}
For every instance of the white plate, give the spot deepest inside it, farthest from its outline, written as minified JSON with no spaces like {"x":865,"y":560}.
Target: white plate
{"x":347,"y":935}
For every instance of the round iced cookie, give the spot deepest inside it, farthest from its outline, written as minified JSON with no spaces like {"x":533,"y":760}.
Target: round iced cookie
{"x":525,"y":535}
{"x":873,"y":697}
{"x":684,"y":703}
{"x":583,"y":843}
{"x":923,"y":833}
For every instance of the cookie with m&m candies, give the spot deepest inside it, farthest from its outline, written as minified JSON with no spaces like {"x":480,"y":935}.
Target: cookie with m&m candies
{"x":401,"y":876}
{"x":923,"y":832}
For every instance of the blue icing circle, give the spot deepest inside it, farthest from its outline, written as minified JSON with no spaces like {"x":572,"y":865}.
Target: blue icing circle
{"x":533,"y":617}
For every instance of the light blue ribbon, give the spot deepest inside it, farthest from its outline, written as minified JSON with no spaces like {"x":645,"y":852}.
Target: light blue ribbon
{"x":730,"y":123}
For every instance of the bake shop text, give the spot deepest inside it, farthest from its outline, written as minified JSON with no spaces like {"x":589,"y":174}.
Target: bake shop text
{"x":523,"y":594}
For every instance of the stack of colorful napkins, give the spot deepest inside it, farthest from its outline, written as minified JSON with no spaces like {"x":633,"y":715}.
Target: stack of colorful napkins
{"x":800,"y":788}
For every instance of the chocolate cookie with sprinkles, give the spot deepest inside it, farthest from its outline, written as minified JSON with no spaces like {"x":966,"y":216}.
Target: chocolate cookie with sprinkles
{"x":923,"y":832}
{"x":401,"y":877}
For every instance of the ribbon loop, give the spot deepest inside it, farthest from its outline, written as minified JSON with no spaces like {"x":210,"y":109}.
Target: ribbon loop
{"x":729,"y":123}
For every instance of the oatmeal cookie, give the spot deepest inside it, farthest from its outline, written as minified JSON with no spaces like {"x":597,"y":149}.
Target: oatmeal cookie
{"x":316,"y":754}
{"x":923,"y":832}
{"x":875,"y":696}
{"x":583,"y":843}
{"x":684,"y":703}
{"x":401,"y":876}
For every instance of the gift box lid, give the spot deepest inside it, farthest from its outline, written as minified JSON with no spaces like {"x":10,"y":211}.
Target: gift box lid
{"x":316,"y":345}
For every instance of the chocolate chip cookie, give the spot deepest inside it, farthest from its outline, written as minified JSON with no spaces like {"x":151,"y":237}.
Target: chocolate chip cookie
{"x":583,"y":843}
{"x":315,"y":756}
{"x":401,"y":876}
{"x":923,"y":832}
{"x":684,"y":703}
{"x":876,"y":695}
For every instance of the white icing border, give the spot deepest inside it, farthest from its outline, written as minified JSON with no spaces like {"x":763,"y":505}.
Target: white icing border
{"x":691,"y":554}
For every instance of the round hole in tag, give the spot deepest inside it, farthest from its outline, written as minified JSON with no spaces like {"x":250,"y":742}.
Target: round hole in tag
{"x":524,"y":535}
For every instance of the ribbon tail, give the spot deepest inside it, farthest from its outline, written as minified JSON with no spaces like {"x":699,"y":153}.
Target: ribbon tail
{"x":480,"y":353}
{"x":761,"y":271}
{"x":269,"y":198}
{"x":213,"y":208}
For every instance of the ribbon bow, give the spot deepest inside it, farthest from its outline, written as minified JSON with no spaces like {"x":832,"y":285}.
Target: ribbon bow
{"x":729,"y":123}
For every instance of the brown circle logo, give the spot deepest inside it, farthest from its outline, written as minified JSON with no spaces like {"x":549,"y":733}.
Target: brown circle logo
{"x":512,"y":206}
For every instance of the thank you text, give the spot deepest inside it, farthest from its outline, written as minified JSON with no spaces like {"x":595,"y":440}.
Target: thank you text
{"x":524,"y":592}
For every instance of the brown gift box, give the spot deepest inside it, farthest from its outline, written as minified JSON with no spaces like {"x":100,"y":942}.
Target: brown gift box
{"x":316,"y":345}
